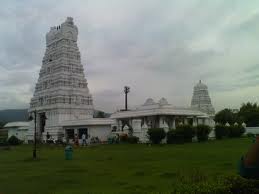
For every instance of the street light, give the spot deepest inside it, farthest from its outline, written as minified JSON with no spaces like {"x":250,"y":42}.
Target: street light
{"x":43,"y":118}
{"x":126,"y":91}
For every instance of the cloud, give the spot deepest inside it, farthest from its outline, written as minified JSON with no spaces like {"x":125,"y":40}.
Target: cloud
{"x":158,"y":48}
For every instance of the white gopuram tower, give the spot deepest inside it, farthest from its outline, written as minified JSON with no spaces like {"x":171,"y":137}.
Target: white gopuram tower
{"x":61,"y":93}
{"x":201,"y":99}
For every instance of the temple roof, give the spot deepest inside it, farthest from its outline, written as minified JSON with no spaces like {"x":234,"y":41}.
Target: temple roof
{"x":174,"y":111}
{"x":91,"y":121}
{"x":151,"y":108}
{"x":201,"y":85}
{"x":17,"y":124}
{"x":149,"y":101}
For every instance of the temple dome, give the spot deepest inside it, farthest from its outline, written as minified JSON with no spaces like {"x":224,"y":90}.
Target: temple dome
{"x":201,"y":99}
{"x":163,"y":101}
{"x":149,"y":101}
{"x":201,"y":86}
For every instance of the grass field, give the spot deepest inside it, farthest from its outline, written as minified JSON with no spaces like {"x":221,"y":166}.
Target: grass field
{"x":117,"y":168}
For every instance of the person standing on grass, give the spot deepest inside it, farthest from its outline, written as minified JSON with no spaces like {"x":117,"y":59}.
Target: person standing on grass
{"x":76,"y":140}
{"x":84,"y":139}
{"x":47,"y":137}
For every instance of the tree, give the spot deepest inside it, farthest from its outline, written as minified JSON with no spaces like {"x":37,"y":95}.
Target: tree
{"x":100,"y":114}
{"x":249,"y":113}
{"x":226,"y":115}
{"x":2,"y":124}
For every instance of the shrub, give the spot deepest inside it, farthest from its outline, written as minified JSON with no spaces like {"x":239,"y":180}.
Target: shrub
{"x":170,"y":136}
{"x":250,"y":135}
{"x":174,"y":136}
{"x":94,"y":140}
{"x":3,"y":142}
{"x":241,"y":185}
{"x":133,"y":139}
{"x":221,"y":131}
{"x":202,"y":132}
{"x":113,"y":139}
{"x":225,"y":184}
{"x":187,"y":132}
{"x":13,"y":140}
{"x":123,"y":138}
{"x":236,"y":131}
{"x":156,"y":135}
{"x":242,"y":130}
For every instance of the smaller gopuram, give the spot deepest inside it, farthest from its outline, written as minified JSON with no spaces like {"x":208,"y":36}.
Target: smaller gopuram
{"x":201,"y":99}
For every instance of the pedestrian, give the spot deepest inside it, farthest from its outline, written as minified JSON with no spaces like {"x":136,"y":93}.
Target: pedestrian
{"x":47,"y":137}
{"x":76,"y":141}
{"x":84,"y":139}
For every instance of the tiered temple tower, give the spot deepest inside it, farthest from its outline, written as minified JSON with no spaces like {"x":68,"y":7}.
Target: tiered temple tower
{"x":201,"y":99}
{"x":61,"y":92}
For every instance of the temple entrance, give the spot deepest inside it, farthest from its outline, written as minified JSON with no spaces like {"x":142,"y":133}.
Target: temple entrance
{"x":82,"y":131}
{"x":42,"y":122}
{"x":70,"y":134}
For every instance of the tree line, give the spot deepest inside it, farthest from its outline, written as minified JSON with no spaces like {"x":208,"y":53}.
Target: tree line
{"x":248,"y":113}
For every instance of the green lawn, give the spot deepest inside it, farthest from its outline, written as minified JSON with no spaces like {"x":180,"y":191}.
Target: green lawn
{"x":117,"y":168}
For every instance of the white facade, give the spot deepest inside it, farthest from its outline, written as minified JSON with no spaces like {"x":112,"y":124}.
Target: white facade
{"x":159,"y":115}
{"x":95,"y":127}
{"x":61,"y":93}
{"x":62,"y":96}
{"x":18,"y":129}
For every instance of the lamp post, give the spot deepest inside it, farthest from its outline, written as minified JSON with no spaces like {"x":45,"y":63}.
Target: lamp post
{"x":43,"y":118}
{"x":126,"y":91}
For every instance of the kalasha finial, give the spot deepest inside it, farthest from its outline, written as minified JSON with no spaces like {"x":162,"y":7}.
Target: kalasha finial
{"x":70,"y":20}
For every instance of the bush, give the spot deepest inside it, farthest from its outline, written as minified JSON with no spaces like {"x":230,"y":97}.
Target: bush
{"x":225,"y":184}
{"x":236,"y":131}
{"x":133,"y":139}
{"x":202,"y":132}
{"x":156,"y":135}
{"x":3,"y":142}
{"x":221,"y":131}
{"x":187,"y":132}
{"x":241,"y":185}
{"x":229,"y":131}
{"x":174,"y":136}
{"x":14,"y":141}
{"x":94,"y":140}
{"x":250,"y":135}
{"x":113,"y":140}
{"x":123,"y":138}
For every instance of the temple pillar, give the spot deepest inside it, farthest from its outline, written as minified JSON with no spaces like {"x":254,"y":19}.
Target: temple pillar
{"x":173,"y":123}
{"x":120,"y":125}
{"x":194,"y":123}
{"x":185,"y":121}
{"x":163,"y":124}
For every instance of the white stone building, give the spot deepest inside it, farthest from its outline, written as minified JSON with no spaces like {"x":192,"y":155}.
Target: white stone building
{"x":18,"y":129}
{"x":61,"y":94}
{"x":158,"y":115}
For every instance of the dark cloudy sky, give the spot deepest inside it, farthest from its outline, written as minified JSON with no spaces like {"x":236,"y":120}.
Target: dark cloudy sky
{"x":160,"y":48}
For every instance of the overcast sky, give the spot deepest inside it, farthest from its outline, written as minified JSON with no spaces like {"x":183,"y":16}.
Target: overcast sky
{"x":158,"y":48}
